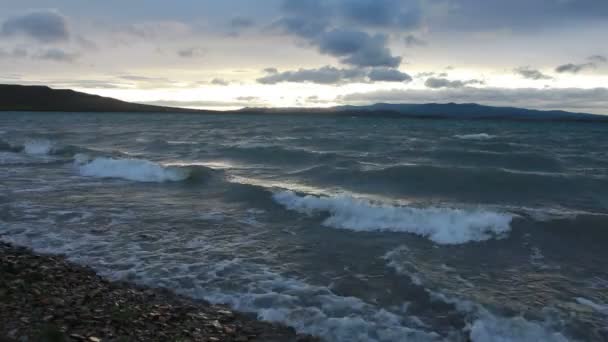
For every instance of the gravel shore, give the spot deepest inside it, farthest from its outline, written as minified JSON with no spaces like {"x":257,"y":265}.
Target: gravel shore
{"x":46,"y":298}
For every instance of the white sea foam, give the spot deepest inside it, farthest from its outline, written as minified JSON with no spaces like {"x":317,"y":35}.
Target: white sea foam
{"x":441,"y":225}
{"x":489,"y":327}
{"x":130,"y":169}
{"x":485,"y":326}
{"x":601,"y":308}
{"x":38,"y":147}
{"x":478,"y":136}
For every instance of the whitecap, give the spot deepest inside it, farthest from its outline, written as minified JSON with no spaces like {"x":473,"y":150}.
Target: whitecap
{"x":129,"y":169}
{"x":601,"y":308}
{"x":441,"y":225}
{"x":477,"y":136}
{"x":38,"y":147}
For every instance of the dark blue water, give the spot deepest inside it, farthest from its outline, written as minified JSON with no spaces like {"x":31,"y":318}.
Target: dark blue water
{"x":354,"y":229}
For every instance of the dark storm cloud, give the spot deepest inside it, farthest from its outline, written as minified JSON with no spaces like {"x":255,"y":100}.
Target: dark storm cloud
{"x":322,"y":24}
{"x":437,"y":83}
{"x":532,"y":74}
{"x":358,"y":48}
{"x":332,"y":75}
{"x":43,"y":26}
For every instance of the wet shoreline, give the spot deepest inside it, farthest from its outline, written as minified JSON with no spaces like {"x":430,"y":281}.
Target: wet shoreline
{"x":46,"y":298}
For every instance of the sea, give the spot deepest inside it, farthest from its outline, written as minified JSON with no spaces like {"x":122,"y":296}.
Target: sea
{"x":348,"y":228}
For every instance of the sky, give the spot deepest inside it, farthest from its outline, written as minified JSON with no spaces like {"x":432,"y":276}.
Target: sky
{"x":544,"y":54}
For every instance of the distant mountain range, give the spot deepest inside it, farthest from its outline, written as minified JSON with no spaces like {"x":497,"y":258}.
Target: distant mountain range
{"x":45,"y":99}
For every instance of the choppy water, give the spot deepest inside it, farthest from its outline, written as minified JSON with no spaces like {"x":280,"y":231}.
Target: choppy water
{"x":354,"y":229}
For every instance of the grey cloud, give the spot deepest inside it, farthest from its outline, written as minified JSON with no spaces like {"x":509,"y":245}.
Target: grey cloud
{"x":388,"y":75}
{"x":247,"y":98}
{"x":57,"y":55}
{"x":220,"y":82}
{"x":332,"y":75}
{"x":574,"y":99}
{"x":239,"y":23}
{"x":358,"y":48}
{"x":598,"y":59}
{"x":532,"y":74}
{"x":381,"y":13}
{"x":43,"y":26}
{"x":324,"y":75}
{"x":319,"y":23}
{"x":271,"y":70}
{"x":593,"y":62}
{"x":14,"y":53}
{"x":574,"y":68}
{"x":518,"y":14}
{"x":412,"y":41}
{"x":437,"y":83}
{"x":192,"y":52}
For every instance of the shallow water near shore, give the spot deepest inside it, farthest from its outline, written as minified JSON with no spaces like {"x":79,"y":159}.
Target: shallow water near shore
{"x":352,"y":229}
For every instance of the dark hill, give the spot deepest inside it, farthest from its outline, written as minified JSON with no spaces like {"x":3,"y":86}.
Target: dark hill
{"x":45,"y":99}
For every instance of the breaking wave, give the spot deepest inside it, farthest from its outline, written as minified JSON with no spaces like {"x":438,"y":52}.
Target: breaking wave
{"x":38,"y":147}
{"x":136,"y":169}
{"x":441,"y":225}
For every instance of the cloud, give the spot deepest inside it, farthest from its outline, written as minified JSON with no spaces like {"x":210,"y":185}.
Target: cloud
{"x":381,"y":13}
{"x":574,"y":99}
{"x":476,"y":15}
{"x":239,"y":23}
{"x":358,"y":48}
{"x":322,"y":24}
{"x":324,"y":75}
{"x":388,"y":75}
{"x":14,"y":53}
{"x":574,"y":68}
{"x":437,"y":83}
{"x":220,"y":82}
{"x":43,"y":26}
{"x":333,"y":75}
{"x":532,"y":74}
{"x":156,"y":29}
{"x":57,"y":55}
{"x":144,"y":82}
{"x":192,"y":52}
{"x":411,"y":41}
{"x":593,"y":63}
{"x":598,"y":59}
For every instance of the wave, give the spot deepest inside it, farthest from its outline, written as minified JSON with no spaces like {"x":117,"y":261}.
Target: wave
{"x":461,"y":183}
{"x":441,"y":225}
{"x":39,"y":147}
{"x":137,"y":169}
{"x":276,"y":154}
{"x":477,"y":136}
{"x":601,"y":308}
